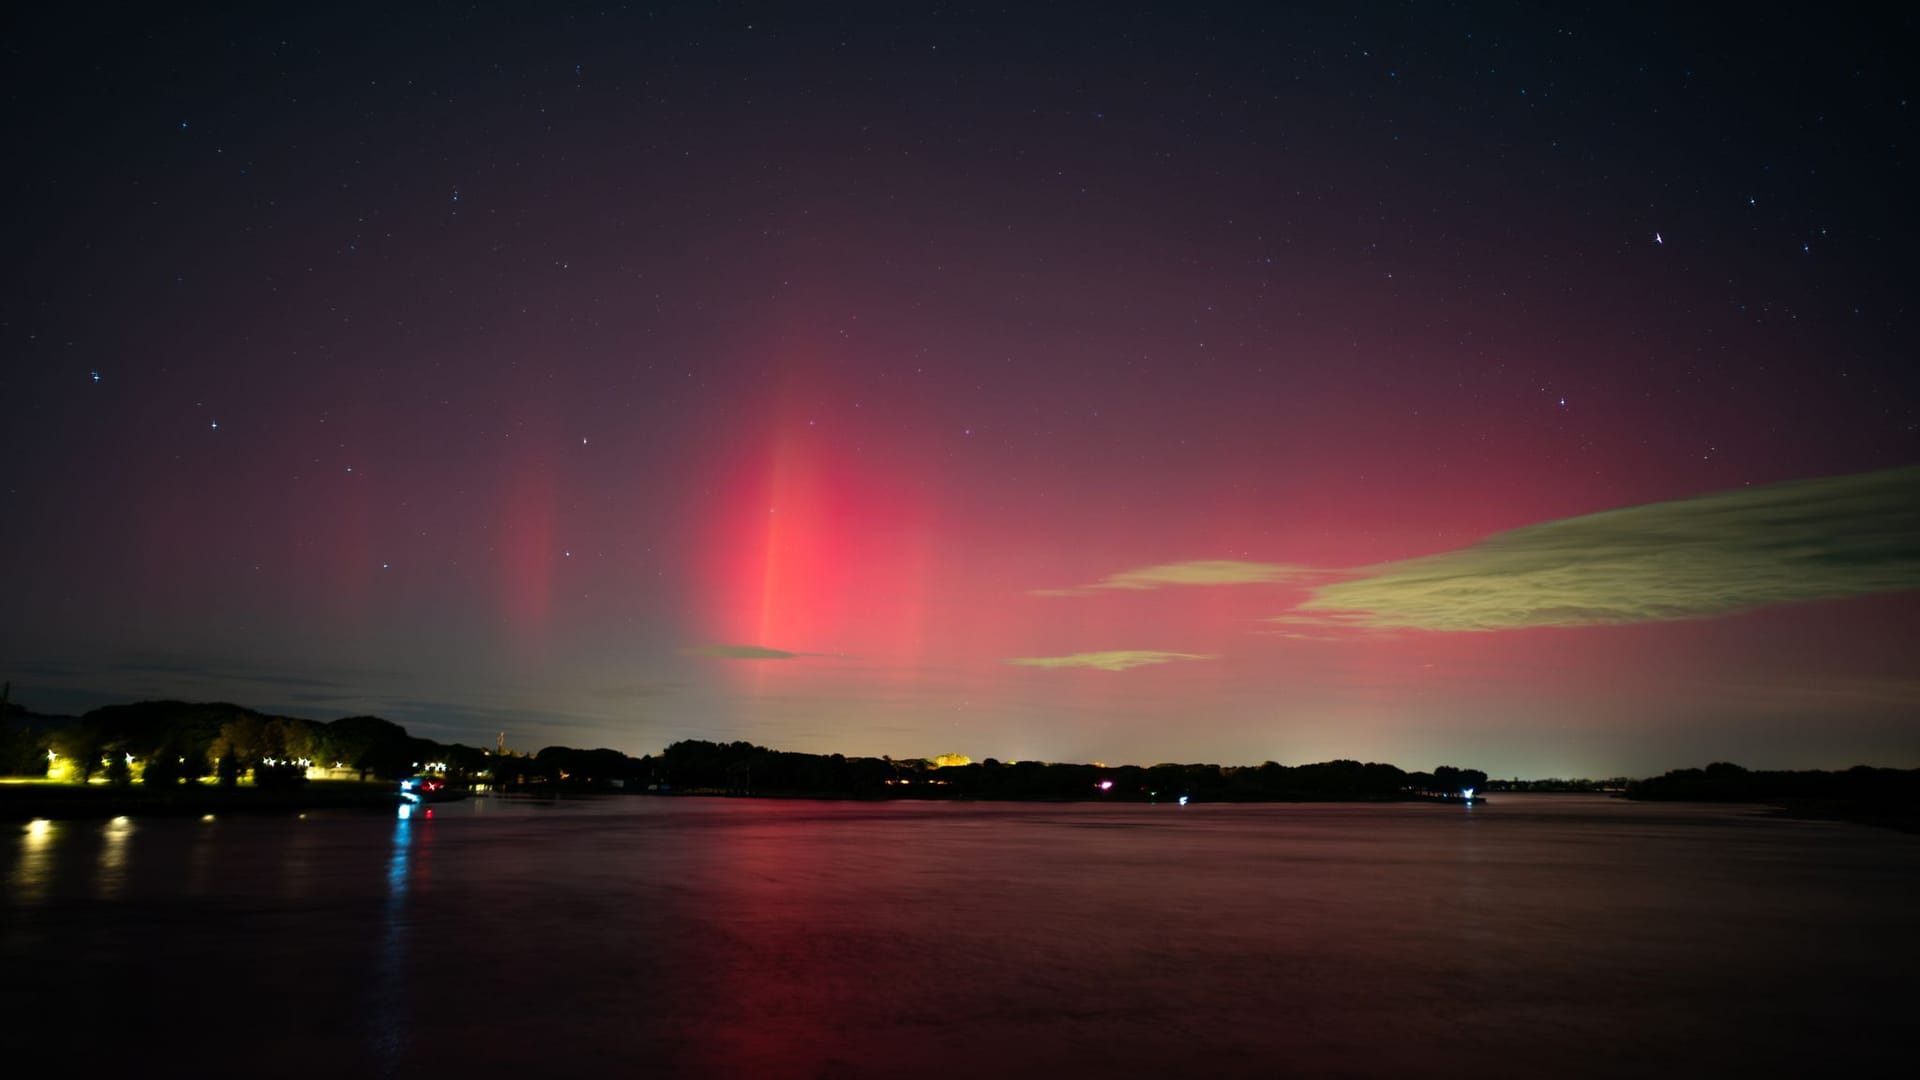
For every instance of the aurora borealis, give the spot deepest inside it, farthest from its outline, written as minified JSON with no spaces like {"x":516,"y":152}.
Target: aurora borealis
{"x":1089,"y":383}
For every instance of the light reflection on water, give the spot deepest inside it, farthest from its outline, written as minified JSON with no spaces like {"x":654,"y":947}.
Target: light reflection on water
{"x":199,"y":857}
{"x":296,"y":865}
{"x":387,"y":1022}
{"x":758,"y":938}
{"x":33,"y":864}
{"x":110,"y":876}
{"x":397,"y":862}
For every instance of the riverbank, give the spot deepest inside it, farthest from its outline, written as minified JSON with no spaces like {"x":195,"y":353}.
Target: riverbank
{"x":1901,"y":818}
{"x":26,"y":801}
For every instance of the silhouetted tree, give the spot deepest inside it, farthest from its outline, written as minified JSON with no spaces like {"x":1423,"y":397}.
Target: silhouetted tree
{"x":242,"y":739}
{"x":288,"y":738}
{"x":80,"y":746}
{"x":369,"y":744}
{"x":163,"y":770}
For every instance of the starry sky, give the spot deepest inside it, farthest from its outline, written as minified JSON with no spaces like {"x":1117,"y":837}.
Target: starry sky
{"x":1113,"y":382}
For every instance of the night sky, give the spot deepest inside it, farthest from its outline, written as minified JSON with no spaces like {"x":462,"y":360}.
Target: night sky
{"x":1442,"y":383}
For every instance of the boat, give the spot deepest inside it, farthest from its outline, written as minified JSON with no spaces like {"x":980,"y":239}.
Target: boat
{"x":428,"y":789}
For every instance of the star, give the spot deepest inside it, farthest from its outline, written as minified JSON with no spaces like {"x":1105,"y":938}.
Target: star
{"x":215,"y":425}
{"x":94,"y":375}
{"x":1657,"y":237}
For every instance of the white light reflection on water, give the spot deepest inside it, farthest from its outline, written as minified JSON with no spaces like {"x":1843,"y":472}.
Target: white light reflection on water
{"x":296,"y":864}
{"x":110,"y":872}
{"x":33,"y":866}
{"x":200,"y":857}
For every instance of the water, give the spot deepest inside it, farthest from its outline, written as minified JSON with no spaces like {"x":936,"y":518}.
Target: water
{"x":1538,"y":935}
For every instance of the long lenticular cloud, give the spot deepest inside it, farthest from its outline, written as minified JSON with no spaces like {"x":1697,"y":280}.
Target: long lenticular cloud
{"x":744,"y":652}
{"x":1686,"y":559}
{"x":1112,"y":660}
{"x":1192,"y":572}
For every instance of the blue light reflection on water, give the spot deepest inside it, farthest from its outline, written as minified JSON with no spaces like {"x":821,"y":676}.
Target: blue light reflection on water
{"x":388,"y":1022}
{"x":397,"y":861}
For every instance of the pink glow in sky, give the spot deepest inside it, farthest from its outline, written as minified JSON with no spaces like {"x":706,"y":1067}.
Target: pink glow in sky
{"x":613,"y":383}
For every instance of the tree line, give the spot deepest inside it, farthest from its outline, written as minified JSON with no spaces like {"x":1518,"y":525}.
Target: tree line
{"x":697,"y":765}
{"x":173,"y":742}
{"x":164,"y":743}
{"x":1724,"y":781}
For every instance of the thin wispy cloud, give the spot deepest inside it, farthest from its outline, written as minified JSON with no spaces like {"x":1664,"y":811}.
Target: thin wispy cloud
{"x":1685,"y":559}
{"x":743,"y":652}
{"x":1193,"y":572}
{"x":758,"y":652}
{"x":1112,"y":660}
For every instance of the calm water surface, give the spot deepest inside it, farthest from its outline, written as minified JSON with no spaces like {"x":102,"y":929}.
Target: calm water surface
{"x":1542,"y":935}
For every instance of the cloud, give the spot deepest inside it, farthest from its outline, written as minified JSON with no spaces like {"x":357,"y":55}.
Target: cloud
{"x":1114,"y":660}
{"x":1194,"y":572}
{"x":744,"y":652}
{"x":1686,"y":559}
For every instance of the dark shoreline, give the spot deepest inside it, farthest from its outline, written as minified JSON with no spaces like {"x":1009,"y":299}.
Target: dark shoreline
{"x":25,"y":802}
{"x":1899,"y":819}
